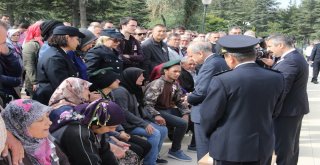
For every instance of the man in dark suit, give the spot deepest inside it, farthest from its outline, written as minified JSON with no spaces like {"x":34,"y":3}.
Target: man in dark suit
{"x":287,"y":126}
{"x":201,"y":52}
{"x":239,"y":107}
{"x":315,"y":58}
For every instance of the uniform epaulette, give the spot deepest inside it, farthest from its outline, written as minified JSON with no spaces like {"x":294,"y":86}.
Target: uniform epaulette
{"x":271,"y":69}
{"x":222,"y":72}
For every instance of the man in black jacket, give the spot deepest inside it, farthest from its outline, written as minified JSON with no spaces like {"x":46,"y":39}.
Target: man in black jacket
{"x":315,"y":57}
{"x":287,"y":126}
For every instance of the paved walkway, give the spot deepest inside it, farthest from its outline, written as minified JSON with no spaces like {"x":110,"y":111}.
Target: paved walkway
{"x":309,"y":139}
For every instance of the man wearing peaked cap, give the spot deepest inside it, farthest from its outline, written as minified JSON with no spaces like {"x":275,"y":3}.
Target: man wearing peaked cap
{"x":235,"y":115}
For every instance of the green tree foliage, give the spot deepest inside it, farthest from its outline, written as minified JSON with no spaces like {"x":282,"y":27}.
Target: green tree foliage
{"x":262,"y":16}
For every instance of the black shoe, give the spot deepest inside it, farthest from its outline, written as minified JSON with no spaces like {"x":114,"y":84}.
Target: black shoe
{"x":315,"y":81}
{"x":161,"y":161}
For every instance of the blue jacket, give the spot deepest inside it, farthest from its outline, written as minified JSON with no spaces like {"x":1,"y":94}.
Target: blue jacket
{"x":213,"y":65}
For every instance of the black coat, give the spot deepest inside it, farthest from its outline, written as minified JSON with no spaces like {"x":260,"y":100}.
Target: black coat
{"x":295,"y":70}
{"x":315,"y":54}
{"x":81,"y":146}
{"x":236,"y":115}
{"x":10,"y":73}
{"x":102,"y":57}
{"x":53,"y":67}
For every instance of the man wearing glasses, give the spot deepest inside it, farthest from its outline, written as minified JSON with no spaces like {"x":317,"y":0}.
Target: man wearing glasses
{"x":140,"y":34}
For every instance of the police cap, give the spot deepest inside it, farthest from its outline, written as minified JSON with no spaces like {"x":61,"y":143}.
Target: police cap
{"x":238,"y":43}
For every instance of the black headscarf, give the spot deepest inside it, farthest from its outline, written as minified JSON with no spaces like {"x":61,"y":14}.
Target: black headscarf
{"x":128,"y":80}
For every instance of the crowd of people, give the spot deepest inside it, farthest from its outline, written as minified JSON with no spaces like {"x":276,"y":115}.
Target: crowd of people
{"x":106,"y":95}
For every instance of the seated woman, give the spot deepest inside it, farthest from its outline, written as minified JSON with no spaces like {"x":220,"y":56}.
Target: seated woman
{"x":129,"y":96}
{"x":105,"y":53}
{"x":55,"y":66}
{"x":82,"y":129}
{"x":28,"y":121}
{"x":104,"y":81}
{"x":70,"y":93}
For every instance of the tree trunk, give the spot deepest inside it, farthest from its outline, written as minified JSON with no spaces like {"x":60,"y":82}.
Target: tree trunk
{"x":75,"y":13}
{"x":9,"y":11}
{"x":83,"y":13}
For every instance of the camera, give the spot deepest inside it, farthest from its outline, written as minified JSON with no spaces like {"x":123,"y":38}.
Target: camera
{"x":262,"y":53}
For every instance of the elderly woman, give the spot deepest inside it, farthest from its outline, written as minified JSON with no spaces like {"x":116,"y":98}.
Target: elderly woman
{"x":28,"y":121}
{"x":55,"y":65}
{"x":104,"y":54}
{"x":130,"y":97}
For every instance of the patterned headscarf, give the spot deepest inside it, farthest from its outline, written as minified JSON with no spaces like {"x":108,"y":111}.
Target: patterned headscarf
{"x":3,"y":134}
{"x":18,"y":116}
{"x":102,"y":111}
{"x":70,"y":92}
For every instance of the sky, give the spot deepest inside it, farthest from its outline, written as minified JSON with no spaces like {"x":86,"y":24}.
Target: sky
{"x":285,"y":3}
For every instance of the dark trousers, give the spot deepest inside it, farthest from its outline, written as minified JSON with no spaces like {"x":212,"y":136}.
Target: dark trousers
{"x":201,"y":140}
{"x":287,"y":134}
{"x":173,"y":119}
{"x":316,"y":67}
{"x":140,"y":146}
{"x":262,"y":162}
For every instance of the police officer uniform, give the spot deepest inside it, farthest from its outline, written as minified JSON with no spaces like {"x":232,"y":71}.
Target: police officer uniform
{"x":102,"y":57}
{"x":237,"y":112}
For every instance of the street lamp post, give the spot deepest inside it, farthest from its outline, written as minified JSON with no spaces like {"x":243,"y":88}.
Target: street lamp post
{"x":205,"y":5}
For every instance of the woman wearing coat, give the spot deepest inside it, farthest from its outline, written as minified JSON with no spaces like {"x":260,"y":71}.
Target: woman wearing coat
{"x":55,"y":65}
{"x":104,"y":54}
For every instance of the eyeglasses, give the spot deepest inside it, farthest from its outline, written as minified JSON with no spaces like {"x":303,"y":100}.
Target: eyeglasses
{"x":140,"y":34}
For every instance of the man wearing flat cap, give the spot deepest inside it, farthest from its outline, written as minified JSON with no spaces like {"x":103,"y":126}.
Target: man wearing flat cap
{"x":237,"y":112}
{"x":163,"y":99}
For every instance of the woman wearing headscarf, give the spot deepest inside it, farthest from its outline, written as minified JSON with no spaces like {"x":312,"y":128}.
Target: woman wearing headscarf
{"x":104,"y":81}
{"x":105,"y":53}
{"x":82,"y":129}
{"x":55,"y":66}
{"x":28,"y":121}
{"x":129,"y":96}
{"x":31,"y":47}
{"x":70,"y":93}
{"x":47,"y":28}
{"x":13,"y":36}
